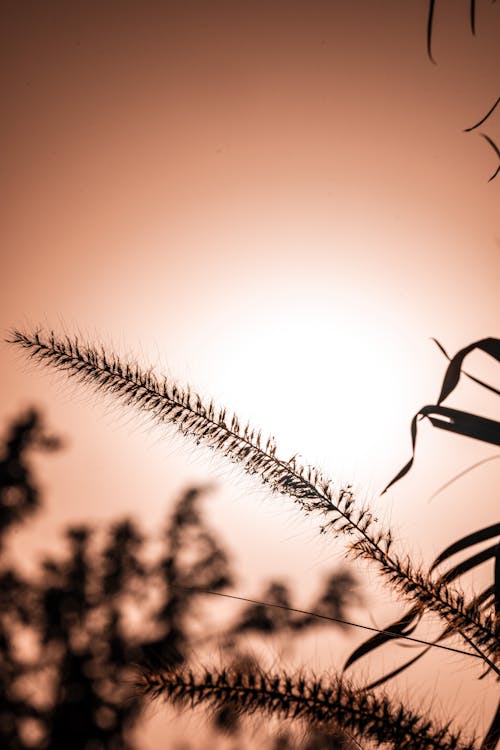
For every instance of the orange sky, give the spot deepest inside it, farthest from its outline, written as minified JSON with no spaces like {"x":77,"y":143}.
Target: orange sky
{"x":276,"y":202}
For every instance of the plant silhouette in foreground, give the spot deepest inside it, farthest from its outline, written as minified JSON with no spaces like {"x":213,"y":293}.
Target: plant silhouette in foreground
{"x":367,"y":714}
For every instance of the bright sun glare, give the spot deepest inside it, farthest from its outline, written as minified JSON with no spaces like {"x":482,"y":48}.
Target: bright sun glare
{"x":327,"y":384}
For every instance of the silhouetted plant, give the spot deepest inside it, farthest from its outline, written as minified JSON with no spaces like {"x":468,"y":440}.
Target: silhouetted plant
{"x":479,"y":428}
{"x":366,"y":713}
{"x":472,"y":22}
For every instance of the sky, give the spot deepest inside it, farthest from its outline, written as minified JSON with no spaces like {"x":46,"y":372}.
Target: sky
{"x":275,"y":202}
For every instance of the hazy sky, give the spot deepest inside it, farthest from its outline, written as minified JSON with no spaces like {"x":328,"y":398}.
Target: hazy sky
{"x":274,"y":201}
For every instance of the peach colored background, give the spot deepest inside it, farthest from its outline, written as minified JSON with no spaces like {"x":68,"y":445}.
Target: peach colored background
{"x":274,"y":201}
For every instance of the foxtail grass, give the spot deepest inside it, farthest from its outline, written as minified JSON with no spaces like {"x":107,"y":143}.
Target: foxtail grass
{"x":207,"y":424}
{"x":335,"y":703}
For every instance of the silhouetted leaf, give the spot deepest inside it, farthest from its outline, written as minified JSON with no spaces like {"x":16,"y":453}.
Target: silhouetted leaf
{"x":463,"y":423}
{"x":469,"y":564}
{"x":404,"y":626}
{"x":483,"y":119}
{"x":407,"y":624}
{"x":467,"y":541}
{"x":489,"y":345}
{"x":430,"y":22}
{"x":406,"y":468}
{"x":467,"y":374}
{"x":478,"y":600}
{"x":395,"y":672}
{"x":495,"y":149}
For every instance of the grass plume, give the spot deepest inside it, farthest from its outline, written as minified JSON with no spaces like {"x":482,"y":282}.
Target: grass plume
{"x":203,"y":422}
{"x":334,"y":702}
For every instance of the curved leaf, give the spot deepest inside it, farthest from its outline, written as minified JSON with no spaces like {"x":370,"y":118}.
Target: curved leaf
{"x":463,"y":423}
{"x":489,"y":345}
{"x":453,"y":420}
{"x":483,"y":119}
{"x":467,"y":374}
{"x":395,"y":672}
{"x":496,"y":150}
{"x":406,"y":468}
{"x":470,"y":563}
{"x":402,"y":627}
{"x":478,"y":600}
{"x":430,"y":22}
{"x":467,"y":541}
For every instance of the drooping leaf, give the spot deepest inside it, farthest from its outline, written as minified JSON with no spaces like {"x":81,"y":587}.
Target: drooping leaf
{"x":406,"y":468}
{"x":408,"y":622}
{"x":489,"y":345}
{"x":467,"y":374}
{"x":395,"y":672}
{"x":463,"y":423}
{"x":483,"y":119}
{"x":373,"y":643}
{"x":469,"y":564}
{"x":495,"y":149}
{"x":430,"y":22}
{"x":467,"y":541}
{"x":402,"y":627}
{"x":478,"y":600}
{"x":473,"y":16}
{"x":453,"y":420}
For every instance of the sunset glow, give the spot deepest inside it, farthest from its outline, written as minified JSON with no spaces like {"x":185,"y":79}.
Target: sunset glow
{"x":277,"y":204}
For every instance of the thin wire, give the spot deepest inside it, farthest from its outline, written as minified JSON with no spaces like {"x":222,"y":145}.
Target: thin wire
{"x":462,"y":474}
{"x":326,"y":617}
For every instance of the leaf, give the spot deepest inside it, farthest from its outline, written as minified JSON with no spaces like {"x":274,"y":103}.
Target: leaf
{"x":406,"y":468}
{"x":483,"y":119}
{"x":395,"y":672}
{"x":470,"y":563}
{"x":371,"y":644}
{"x":467,"y":541}
{"x":446,"y":632}
{"x":489,"y":345}
{"x":496,"y":150}
{"x":410,"y":620}
{"x":467,"y":374}
{"x":430,"y":21}
{"x":463,"y":423}
{"x":473,"y":17}
{"x":453,"y":420}
{"x":402,"y":627}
